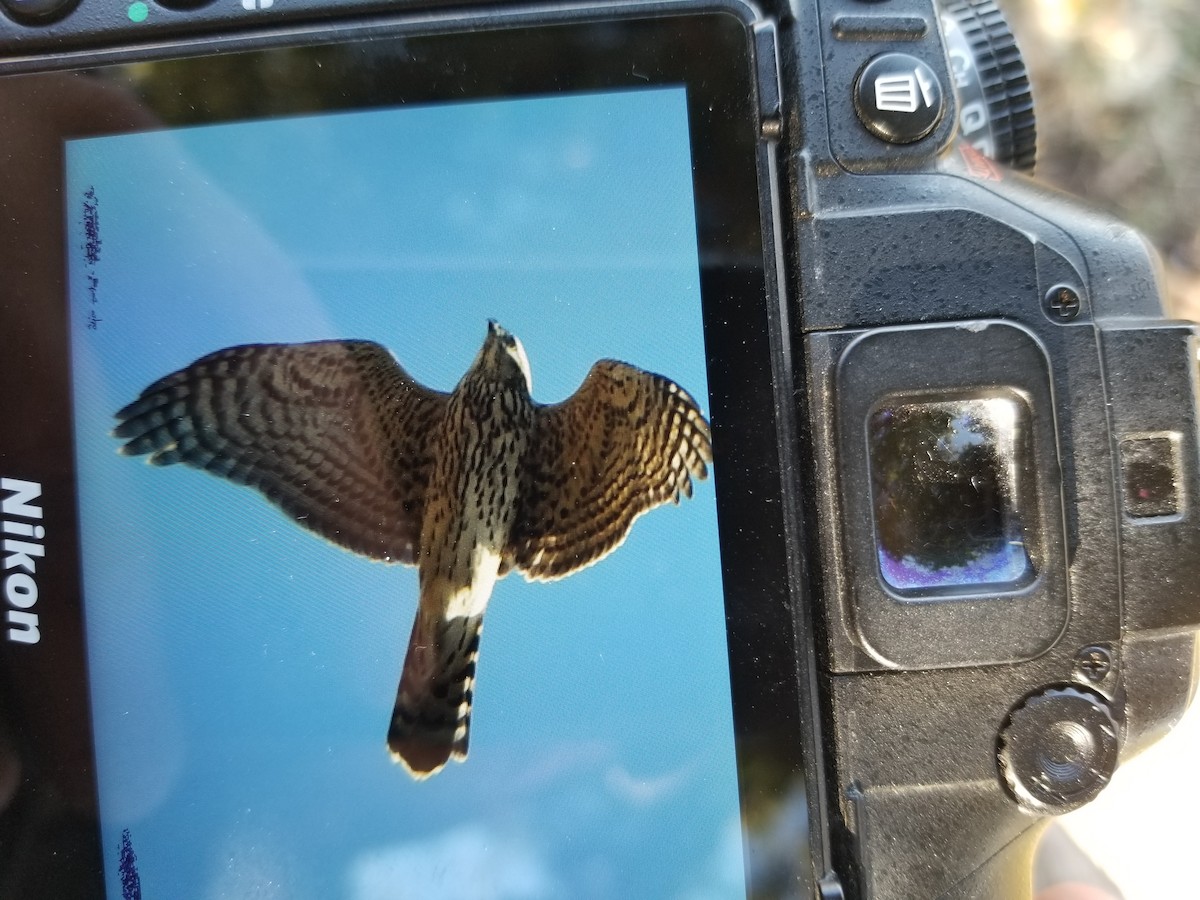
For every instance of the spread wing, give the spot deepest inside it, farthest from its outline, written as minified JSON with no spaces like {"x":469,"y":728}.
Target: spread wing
{"x":335,"y":433}
{"x":625,"y":442}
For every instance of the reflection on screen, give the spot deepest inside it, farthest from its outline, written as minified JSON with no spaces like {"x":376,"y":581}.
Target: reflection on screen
{"x":948,"y":481}
{"x":244,"y":660}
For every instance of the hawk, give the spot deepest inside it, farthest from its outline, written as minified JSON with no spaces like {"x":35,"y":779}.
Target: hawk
{"x":466,"y":486}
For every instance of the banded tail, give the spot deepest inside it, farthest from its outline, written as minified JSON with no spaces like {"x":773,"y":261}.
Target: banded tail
{"x":433,"y":703}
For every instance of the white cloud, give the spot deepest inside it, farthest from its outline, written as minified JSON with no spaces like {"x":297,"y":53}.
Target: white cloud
{"x":649,"y":790}
{"x":468,"y":863}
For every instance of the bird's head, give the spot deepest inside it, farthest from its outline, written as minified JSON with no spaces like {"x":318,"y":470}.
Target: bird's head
{"x":502,"y":356}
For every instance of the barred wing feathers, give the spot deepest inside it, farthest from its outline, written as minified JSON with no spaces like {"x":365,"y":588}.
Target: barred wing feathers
{"x":625,"y":442}
{"x":335,"y":433}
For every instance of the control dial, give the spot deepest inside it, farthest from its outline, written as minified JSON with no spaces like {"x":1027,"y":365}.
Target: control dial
{"x":995,"y":103}
{"x":1058,"y":749}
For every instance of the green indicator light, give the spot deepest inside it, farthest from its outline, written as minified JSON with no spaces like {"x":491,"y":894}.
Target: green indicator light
{"x":138,"y":11}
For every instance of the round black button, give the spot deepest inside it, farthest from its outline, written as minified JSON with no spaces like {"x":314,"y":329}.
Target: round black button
{"x":1058,"y":749}
{"x":37,"y":12}
{"x":898,"y":98}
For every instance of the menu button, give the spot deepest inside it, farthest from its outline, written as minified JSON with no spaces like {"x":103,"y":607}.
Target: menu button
{"x":899,"y":98}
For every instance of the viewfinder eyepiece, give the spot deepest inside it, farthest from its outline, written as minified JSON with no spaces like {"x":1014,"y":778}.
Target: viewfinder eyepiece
{"x":949,"y":481}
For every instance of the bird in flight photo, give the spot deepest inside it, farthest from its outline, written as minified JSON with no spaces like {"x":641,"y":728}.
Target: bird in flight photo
{"x":466,"y":485}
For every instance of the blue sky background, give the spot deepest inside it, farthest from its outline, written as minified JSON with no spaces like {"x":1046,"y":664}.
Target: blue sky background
{"x":244,"y":670}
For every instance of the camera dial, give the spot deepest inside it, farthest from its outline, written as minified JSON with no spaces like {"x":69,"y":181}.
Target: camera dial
{"x":995,"y":104}
{"x":1058,"y":749}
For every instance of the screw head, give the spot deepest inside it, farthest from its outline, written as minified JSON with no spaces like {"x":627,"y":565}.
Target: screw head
{"x":1094,"y":663}
{"x":1062,"y":303}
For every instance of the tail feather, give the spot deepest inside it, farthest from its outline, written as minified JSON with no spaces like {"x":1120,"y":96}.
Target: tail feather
{"x":432,"y":714}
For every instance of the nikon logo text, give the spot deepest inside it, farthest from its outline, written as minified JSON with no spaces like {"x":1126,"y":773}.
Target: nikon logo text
{"x":22,"y":549}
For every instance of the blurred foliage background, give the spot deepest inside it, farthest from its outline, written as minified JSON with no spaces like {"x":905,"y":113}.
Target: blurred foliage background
{"x":1117,"y":93}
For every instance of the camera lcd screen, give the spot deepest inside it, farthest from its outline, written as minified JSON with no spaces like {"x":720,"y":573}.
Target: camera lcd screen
{"x":237,"y":656}
{"x":405,"y":389}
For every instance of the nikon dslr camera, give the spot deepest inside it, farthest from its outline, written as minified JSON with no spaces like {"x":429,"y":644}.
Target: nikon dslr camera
{"x":826,"y":485}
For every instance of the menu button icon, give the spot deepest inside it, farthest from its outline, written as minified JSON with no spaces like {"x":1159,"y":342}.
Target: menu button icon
{"x":898,"y":98}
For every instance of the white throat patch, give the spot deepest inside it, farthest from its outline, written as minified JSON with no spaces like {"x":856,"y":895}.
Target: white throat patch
{"x":517,"y":352}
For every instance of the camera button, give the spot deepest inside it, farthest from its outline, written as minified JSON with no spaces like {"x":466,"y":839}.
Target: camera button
{"x":37,"y":12}
{"x":1058,"y":749}
{"x":899,"y":98}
